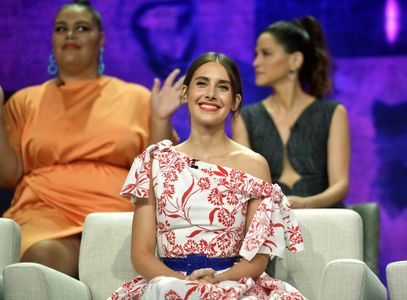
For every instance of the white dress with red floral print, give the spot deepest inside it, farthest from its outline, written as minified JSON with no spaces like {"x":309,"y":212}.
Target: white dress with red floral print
{"x":203,"y":211}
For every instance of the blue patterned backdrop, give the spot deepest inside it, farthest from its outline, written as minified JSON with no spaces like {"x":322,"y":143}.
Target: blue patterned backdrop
{"x":149,"y":38}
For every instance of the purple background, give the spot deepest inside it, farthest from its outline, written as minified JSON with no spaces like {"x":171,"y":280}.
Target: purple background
{"x":149,"y":38}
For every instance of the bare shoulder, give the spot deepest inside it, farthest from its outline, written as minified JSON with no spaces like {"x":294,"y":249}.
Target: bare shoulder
{"x":340,"y":112}
{"x":250,"y":162}
{"x":339,"y":118}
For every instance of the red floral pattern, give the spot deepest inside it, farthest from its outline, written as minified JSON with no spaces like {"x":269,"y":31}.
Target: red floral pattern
{"x":203,"y":211}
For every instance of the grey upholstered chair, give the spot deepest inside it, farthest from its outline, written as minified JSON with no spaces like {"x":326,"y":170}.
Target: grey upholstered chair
{"x":370,"y":214}
{"x":9,"y":246}
{"x":396,"y":273}
{"x":329,"y":268}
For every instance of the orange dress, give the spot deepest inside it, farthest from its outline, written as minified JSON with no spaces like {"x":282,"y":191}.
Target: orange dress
{"x":77,"y":143}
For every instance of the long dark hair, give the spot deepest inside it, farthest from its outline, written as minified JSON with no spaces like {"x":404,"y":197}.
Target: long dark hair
{"x":231,"y":69}
{"x":306,"y":36}
{"x":88,"y":7}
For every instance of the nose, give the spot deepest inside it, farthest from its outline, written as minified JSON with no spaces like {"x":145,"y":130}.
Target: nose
{"x":256,"y":61}
{"x":211,"y":91}
{"x":69,"y":34}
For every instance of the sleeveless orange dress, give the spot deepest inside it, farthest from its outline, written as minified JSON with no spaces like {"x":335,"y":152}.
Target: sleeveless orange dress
{"x":77,"y":143}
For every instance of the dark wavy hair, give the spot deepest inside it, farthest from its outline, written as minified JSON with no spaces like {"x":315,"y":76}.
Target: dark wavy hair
{"x":88,"y":7}
{"x":306,"y":36}
{"x":231,"y":69}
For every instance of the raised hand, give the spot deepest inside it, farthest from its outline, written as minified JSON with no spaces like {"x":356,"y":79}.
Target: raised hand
{"x":166,"y":100}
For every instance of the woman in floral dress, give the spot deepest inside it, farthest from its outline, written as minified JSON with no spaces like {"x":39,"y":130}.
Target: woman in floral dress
{"x":207,"y":217}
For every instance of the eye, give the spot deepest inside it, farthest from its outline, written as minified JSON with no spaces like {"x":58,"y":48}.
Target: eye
{"x":223,"y":87}
{"x":82,"y":28}
{"x":266,"y":52}
{"x":201,"y":83}
{"x":59,"y":28}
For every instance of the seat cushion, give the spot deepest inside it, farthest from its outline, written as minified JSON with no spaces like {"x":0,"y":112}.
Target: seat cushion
{"x":104,"y":263}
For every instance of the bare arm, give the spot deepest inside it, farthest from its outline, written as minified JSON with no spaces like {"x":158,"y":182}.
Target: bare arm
{"x":338,"y":165}
{"x":11,"y":165}
{"x":239,"y":132}
{"x":164,"y":103}
{"x":143,"y":241}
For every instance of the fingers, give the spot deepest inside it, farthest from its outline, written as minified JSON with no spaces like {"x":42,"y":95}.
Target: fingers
{"x":170,"y":79}
{"x":179,"y":82}
{"x":201,"y":273}
{"x":156,"y":86}
{"x":210,"y":279}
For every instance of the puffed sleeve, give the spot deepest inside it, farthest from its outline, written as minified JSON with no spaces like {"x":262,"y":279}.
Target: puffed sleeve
{"x":137,"y":184}
{"x":273,"y":229}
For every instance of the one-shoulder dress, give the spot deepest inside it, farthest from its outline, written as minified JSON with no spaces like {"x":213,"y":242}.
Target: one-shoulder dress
{"x":201,"y":209}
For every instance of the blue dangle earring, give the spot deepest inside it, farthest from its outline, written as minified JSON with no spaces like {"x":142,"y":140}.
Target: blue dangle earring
{"x":101,"y":65}
{"x":52,"y":65}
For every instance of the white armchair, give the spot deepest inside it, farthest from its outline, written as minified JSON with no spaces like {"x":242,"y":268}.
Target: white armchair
{"x":329,"y":268}
{"x":331,"y":265}
{"x":396,"y":273}
{"x":9,"y":246}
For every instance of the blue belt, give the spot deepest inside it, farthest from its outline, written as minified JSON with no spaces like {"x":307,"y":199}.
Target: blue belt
{"x":198,"y":261}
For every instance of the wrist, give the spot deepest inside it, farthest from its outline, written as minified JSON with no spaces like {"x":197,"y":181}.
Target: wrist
{"x":219,"y":277}
{"x":160,"y":118}
{"x":181,"y":275}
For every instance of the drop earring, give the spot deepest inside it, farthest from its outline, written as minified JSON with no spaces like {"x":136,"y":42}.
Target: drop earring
{"x":101,"y":65}
{"x":52,"y":65}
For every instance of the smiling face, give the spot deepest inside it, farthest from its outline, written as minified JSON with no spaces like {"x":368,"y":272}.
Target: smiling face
{"x":76,"y":40}
{"x":272,"y":63}
{"x":209,"y":95}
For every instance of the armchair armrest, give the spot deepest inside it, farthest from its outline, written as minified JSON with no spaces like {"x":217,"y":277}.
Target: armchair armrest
{"x":10,"y":242}
{"x":350,"y":279}
{"x":9,"y":246}
{"x":35,"y":281}
{"x":396,"y":273}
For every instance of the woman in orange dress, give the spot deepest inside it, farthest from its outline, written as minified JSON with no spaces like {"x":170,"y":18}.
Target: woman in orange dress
{"x":67,"y":144}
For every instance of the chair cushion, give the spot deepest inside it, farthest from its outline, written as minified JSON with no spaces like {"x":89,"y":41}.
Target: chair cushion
{"x":104,"y":263}
{"x":10,"y":242}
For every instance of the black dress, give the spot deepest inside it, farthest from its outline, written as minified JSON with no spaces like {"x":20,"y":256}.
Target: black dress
{"x":306,"y":147}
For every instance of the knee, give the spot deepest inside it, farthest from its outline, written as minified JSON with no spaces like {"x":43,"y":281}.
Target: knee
{"x":43,"y":252}
{"x":61,"y":255}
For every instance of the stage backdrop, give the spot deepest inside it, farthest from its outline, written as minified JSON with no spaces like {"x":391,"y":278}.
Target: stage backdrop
{"x":145,"y":39}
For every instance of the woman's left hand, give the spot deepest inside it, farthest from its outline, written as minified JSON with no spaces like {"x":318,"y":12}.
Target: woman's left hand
{"x":166,"y":100}
{"x":201,"y":274}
